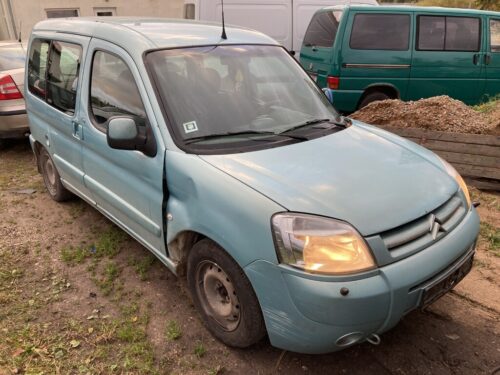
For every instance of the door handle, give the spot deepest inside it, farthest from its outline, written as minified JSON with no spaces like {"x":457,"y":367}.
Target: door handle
{"x":475,"y":58}
{"x":77,"y":130}
{"x":487,"y":59}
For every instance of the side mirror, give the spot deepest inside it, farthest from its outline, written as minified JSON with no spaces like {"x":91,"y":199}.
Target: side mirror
{"x":122,"y":134}
{"x":292,"y":52}
{"x":328,"y":94}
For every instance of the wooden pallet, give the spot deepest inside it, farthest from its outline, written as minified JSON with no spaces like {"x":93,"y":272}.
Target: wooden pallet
{"x":476,"y":157}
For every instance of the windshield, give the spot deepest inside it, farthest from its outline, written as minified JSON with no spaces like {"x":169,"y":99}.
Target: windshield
{"x":235,"y":89}
{"x":12,"y":57}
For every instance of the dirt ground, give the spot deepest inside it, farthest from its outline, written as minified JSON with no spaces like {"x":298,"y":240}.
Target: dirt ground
{"x":77,"y":295}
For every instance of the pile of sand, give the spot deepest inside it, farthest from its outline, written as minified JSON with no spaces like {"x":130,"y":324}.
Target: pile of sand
{"x":440,"y":113}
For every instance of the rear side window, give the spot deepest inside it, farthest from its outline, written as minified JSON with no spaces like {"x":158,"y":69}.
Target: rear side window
{"x":113,"y":91}
{"x":62,"y":75}
{"x":495,"y":35}
{"x":322,"y":29}
{"x":441,"y":33}
{"x":12,"y":57}
{"x":380,"y":32}
{"x":37,"y":67}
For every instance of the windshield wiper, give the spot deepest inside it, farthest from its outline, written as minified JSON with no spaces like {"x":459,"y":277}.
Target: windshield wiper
{"x":342,"y":123}
{"x":243,"y":132}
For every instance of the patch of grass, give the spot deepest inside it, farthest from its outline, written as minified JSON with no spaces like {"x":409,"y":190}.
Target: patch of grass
{"x":130,"y":331}
{"x":74,"y":255}
{"x":491,"y":235}
{"x":173,"y":331}
{"x":142,"y":266}
{"x":488,"y":200}
{"x":109,"y":241}
{"x":199,"y":350}
{"x":107,"y":282}
{"x":487,"y":106}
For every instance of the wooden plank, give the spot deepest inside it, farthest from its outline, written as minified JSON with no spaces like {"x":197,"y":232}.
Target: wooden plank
{"x":483,"y":184}
{"x":470,"y":159}
{"x":479,"y":139}
{"x":462,"y":148}
{"x":475,"y":171}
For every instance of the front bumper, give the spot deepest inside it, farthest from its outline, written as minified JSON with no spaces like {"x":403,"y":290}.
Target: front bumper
{"x":308,"y":314}
{"x":13,"y":124}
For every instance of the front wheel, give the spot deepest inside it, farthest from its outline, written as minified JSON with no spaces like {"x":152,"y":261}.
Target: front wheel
{"x":51,"y":178}
{"x":224,"y":296}
{"x":373,"y":97}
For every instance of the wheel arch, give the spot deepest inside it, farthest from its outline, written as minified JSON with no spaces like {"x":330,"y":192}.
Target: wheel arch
{"x":386,"y":88}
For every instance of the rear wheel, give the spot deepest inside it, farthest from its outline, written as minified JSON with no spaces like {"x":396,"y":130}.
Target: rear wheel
{"x":224,"y":296}
{"x":373,"y":97}
{"x":51,"y":178}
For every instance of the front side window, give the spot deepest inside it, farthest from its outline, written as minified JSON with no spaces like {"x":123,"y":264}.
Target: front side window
{"x":441,"y":33}
{"x":495,"y":35}
{"x":212,"y":95}
{"x":380,"y":32}
{"x":322,"y":29}
{"x":113,"y":91}
{"x":62,"y":75}
{"x":37,"y":67}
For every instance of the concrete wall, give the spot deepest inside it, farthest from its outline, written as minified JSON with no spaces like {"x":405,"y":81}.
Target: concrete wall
{"x":29,"y":12}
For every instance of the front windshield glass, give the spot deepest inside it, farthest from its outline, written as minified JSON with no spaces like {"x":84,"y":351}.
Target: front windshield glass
{"x":216,"y":90}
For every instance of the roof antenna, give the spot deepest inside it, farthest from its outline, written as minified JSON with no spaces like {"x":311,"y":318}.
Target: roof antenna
{"x":223,"y":36}
{"x":20,"y":30}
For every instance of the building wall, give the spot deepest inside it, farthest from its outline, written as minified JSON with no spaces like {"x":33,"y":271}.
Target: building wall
{"x":28,"y":12}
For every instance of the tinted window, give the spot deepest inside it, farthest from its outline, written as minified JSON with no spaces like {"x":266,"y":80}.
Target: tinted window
{"x":495,"y":35}
{"x":380,"y":31}
{"x":12,"y":57}
{"x":439,"y":33}
{"x":62,"y":75}
{"x":322,"y":29}
{"x":59,"y":13}
{"x":37,"y":67}
{"x":113,"y":91}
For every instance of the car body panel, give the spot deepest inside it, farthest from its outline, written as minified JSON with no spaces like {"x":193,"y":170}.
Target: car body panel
{"x":330,"y":176}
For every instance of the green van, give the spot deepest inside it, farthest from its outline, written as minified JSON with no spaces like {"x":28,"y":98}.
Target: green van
{"x":366,"y":53}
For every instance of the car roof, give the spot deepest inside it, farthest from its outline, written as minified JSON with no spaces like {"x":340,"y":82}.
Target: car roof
{"x":4,"y":43}
{"x":153,"y":33}
{"x":410,"y":8}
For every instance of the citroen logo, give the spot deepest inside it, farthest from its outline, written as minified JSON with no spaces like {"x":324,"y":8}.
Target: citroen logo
{"x":435,"y":226}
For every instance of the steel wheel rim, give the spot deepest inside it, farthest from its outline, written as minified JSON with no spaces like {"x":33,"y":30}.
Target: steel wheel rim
{"x":50,"y":175}
{"x":217,"y":295}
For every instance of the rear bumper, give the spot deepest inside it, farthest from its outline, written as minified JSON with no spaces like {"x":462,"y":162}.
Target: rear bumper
{"x":308,"y":314}
{"x":13,"y":123}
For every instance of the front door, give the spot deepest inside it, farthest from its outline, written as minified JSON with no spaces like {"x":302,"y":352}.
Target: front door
{"x":492,"y":58}
{"x":448,"y":58}
{"x":126,"y":185}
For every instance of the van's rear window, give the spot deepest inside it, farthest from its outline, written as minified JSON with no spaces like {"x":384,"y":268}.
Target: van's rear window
{"x":322,"y":29}
{"x":381,"y":32}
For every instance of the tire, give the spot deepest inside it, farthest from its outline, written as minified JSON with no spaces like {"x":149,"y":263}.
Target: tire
{"x":373,"y":97}
{"x":51,"y":178}
{"x":223,"y":296}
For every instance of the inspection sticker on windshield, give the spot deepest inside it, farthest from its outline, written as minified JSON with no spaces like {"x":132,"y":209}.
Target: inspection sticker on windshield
{"x":190,"y":127}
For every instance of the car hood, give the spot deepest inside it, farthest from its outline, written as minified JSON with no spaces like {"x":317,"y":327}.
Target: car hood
{"x":370,"y":178}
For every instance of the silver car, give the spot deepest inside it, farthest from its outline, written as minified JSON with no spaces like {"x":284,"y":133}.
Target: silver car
{"x":13,"y":118}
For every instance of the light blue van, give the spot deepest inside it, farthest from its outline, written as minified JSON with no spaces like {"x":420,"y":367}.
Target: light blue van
{"x":224,"y":159}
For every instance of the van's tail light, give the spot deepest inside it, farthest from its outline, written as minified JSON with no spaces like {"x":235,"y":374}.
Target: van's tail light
{"x":8,"y":89}
{"x":333,"y":82}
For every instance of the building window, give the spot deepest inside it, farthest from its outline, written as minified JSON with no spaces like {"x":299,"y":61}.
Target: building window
{"x":61,"y":13}
{"x":104,"y":12}
{"x":189,"y":11}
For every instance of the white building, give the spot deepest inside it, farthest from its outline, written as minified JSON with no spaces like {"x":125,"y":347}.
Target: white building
{"x":21,"y":15}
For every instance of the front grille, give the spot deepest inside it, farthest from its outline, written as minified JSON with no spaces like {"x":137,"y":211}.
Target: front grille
{"x":422,"y":232}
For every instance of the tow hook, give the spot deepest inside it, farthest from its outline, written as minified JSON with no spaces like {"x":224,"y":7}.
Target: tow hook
{"x":373,"y":339}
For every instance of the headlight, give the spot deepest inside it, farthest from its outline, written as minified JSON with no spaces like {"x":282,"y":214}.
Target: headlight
{"x":320,"y":245}
{"x":460,"y":181}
